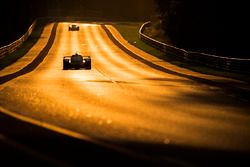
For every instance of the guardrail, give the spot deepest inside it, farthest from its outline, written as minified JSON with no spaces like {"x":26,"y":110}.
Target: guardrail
{"x":225,"y":63}
{"x":5,"y":50}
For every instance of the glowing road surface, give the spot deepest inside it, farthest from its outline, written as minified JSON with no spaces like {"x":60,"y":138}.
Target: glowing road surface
{"x":121,"y":99}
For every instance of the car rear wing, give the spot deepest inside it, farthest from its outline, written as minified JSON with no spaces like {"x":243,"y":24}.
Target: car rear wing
{"x":66,"y":57}
{"x":86,"y":57}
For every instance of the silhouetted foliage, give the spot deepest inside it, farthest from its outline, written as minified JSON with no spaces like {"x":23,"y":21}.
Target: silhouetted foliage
{"x":12,"y":16}
{"x":209,"y":26}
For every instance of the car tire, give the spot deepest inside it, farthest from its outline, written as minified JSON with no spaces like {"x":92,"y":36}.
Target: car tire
{"x":88,"y":64}
{"x":65,"y":65}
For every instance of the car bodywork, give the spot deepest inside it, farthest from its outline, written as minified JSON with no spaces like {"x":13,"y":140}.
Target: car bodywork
{"x":76,"y":61}
{"x":74,"y":27}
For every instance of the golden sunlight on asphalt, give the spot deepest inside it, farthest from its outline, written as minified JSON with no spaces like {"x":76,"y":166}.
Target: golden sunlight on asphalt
{"x":121,"y":99}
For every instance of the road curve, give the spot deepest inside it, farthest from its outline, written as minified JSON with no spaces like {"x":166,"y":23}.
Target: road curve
{"x":122,"y":100}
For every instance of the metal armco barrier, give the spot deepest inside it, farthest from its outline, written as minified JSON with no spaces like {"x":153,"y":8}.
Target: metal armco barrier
{"x":225,"y":63}
{"x":5,"y":50}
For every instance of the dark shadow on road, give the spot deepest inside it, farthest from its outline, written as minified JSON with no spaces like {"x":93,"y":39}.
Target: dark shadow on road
{"x":24,"y":144}
{"x":213,"y":98}
{"x":177,"y":155}
{"x":30,"y":67}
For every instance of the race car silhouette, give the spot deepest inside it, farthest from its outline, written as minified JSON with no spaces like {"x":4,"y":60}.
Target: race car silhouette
{"x":76,"y":61}
{"x":74,"y":27}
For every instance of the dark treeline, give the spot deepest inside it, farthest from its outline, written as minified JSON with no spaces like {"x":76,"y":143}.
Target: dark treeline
{"x":209,"y":26}
{"x":17,"y":15}
{"x":14,"y":18}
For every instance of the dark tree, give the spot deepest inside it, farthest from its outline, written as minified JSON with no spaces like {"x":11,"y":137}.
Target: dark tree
{"x":16,"y":17}
{"x":209,"y":26}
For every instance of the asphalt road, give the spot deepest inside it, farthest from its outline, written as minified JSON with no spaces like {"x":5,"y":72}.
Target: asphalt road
{"x":140,"y":103}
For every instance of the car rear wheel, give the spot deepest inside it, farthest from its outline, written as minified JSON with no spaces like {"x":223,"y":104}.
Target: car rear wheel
{"x":88,"y":64}
{"x":65,"y":65}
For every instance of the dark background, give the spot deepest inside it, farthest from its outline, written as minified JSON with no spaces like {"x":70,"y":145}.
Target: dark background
{"x":209,"y":26}
{"x":17,"y":15}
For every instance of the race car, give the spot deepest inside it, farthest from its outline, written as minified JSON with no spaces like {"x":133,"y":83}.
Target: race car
{"x":76,"y":61}
{"x":74,"y":27}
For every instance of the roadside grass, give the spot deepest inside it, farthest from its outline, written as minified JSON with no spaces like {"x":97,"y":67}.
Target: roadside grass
{"x":129,"y":30}
{"x":27,"y":45}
